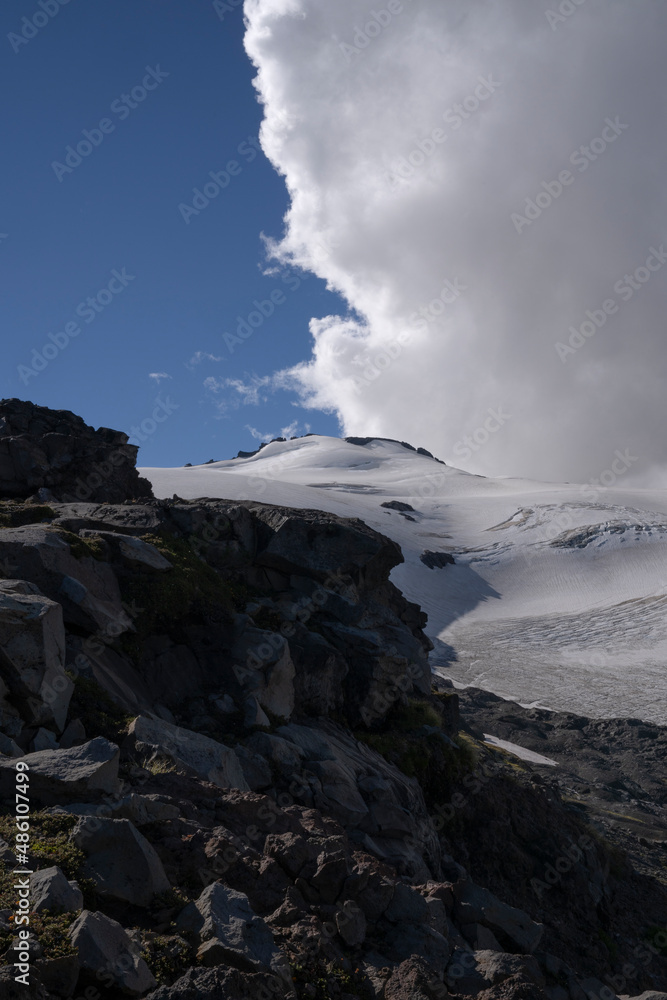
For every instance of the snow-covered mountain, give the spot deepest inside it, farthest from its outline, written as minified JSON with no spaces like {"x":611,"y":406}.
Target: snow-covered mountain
{"x":558,"y":593}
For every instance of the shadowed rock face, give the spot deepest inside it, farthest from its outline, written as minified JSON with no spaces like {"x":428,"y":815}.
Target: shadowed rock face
{"x":55,"y":450}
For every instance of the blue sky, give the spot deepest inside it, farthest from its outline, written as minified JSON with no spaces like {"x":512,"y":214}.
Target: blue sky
{"x":164,"y":90}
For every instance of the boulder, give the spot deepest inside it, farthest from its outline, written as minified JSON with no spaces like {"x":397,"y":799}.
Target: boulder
{"x":140,"y":809}
{"x":86,"y":588}
{"x":414,"y":979}
{"x":119,"y":860}
{"x":209,"y":759}
{"x":73,"y":735}
{"x":134,"y":551}
{"x":32,"y":654}
{"x":103,"y":945}
{"x":54,"y":449}
{"x":223,"y":983}
{"x":50,"y":890}
{"x":476,"y":905}
{"x":264,"y":669}
{"x":59,"y":975}
{"x":43,"y":739}
{"x":238,"y":936}
{"x":58,"y":776}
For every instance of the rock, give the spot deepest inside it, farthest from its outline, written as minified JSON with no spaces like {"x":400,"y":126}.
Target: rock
{"x":265,"y":670}
{"x":320,"y":670}
{"x":32,"y":655}
{"x":120,"y":860}
{"x":73,"y":735}
{"x":397,"y":505}
{"x":406,"y":940}
{"x":54,"y":449}
{"x":43,"y":739}
{"x":86,"y":588}
{"x":8,"y":747}
{"x":223,"y":983}
{"x":254,"y":714}
{"x":11,"y":990}
{"x":59,"y":975}
{"x":102,"y":944}
{"x":114,"y":674}
{"x":476,"y":905}
{"x":50,"y":890}
{"x":135,"y":551}
{"x":437,"y":560}
{"x":209,"y":759}
{"x":414,"y":979}
{"x":285,"y":756}
{"x":351,"y":924}
{"x":58,"y":776}
{"x":473,"y":973}
{"x":140,"y":809}
{"x":651,"y":995}
{"x":240,"y":938}
{"x":407,"y":905}
{"x":256,"y":769}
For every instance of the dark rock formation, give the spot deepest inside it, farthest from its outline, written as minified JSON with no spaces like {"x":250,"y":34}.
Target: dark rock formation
{"x":250,"y":789}
{"x":55,"y":450}
{"x":437,"y":560}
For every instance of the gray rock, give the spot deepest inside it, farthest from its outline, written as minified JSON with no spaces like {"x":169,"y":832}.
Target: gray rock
{"x":241,"y":937}
{"x":32,"y":655}
{"x":50,"y":890}
{"x":223,"y":983}
{"x":265,"y":670}
{"x":351,"y":924}
{"x":58,"y":776}
{"x":476,"y":905}
{"x":43,"y":739}
{"x":86,"y":588}
{"x":73,"y":735}
{"x":285,"y":756}
{"x":120,"y":860}
{"x":140,"y":809}
{"x":102,"y":944}
{"x":133,"y":550}
{"x":407,"y":906}
{"x":55,"y":450}
{"x":256,"y":770}
{"x":206,"y":757}
{"x":59,"y":975}
{"x":8,"y":747}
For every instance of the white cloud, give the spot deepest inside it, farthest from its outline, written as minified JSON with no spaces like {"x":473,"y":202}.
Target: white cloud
{"x":286,"y":432}
{"x":199,"y":356}
{"x":159,"y":376}
{"x":387,"y":211}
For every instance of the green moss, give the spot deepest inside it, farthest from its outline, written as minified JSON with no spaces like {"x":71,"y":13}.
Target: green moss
{"x":14,"y":515}
{"x":164,"y":599}
{"x":329,"y":980}
{"x":167,"y":957}
{"x":99,"y":714}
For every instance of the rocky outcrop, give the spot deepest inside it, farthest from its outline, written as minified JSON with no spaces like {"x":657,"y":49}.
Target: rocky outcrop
{"x":55,"y":450}
{"x":240,"y":767}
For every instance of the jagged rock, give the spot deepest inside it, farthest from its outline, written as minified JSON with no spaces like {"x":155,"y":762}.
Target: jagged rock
{"x":50,"y":890}
{"x":86,"y":588}
{"x":414,"y":979}
{"x":256,"y":769}
{"x":40,"y":447}
{"x":285,"y":756}
{"x":265,"y":669}
{"x":114,"y":674}
{"x":437,"y":560}
{"x":207,"y":758}
{"x":140,"y":809}
{"x":134,"y":551}
{"x":11,"y":990}
{"x":73,"y":735}
{"x":351,"y":924}
{"x":240,"y":938}
{"x":223,"y":983}
{"x":32,"y":652}
{"x":397,"y":505}
{"x":120,"y":860}
{"x":58,"y":776}
{"x":254,"y":714}
{"x":476,"y":905}
{"x":59,"y":975}
{"x":406,"y":939}
{"x":102,"y":944}
{"x":320,"y":670}
{"x":8,"y":747}
{"x":43,"y":739}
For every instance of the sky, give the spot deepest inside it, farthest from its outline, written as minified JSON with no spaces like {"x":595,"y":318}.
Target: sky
{"x":454,"y":233}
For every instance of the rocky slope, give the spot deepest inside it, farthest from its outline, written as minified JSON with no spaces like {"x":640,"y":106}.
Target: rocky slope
{"x":242,"y":781}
